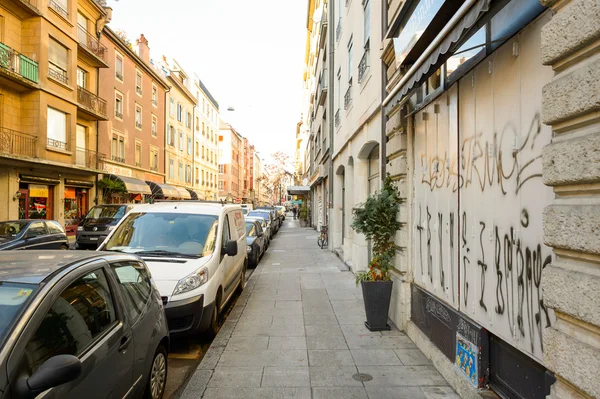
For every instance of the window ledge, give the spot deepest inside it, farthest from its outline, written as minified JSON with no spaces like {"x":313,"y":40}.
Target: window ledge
{"x":58,"y":82}
{"x":59,"y":150}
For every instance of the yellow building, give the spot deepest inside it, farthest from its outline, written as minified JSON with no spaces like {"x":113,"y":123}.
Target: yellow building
{"x":50,"y":55}
{"x":179,"y":134}
{"x":206,"y":131}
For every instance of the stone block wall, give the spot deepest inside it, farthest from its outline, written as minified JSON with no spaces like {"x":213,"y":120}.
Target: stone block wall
{"x":571,"y":165}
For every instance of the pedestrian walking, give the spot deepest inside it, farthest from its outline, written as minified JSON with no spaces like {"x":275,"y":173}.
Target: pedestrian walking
{"x":295,"y":212}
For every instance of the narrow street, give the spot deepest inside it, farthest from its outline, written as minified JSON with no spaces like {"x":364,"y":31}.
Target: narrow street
{"x":297,"y":331}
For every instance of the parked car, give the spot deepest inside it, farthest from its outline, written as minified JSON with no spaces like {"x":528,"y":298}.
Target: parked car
{"x":246,"y":208}
{"x":98,"y":223}
{"x":282,"y":210}
{"x":268,"y":217}
{"x":32,"y":234}
{"x":278,"y":220}
{"x":80,"y":325}
{"x":255,"y":242}
{"x":265,"y":228}
{"x":196,"y":253}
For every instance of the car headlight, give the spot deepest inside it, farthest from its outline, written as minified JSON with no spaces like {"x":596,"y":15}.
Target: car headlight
{"x":192,"y":281}
{"x":79,"y":228}
{"x":111,"y":228}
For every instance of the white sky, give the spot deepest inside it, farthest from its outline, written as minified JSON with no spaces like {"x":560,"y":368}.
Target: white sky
{"x":249,"y":54}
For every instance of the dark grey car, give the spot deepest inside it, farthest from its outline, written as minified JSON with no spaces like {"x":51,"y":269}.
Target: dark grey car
{"x":80,"y":325}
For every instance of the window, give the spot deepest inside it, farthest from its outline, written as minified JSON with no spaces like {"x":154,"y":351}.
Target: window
{"x":171,"y":135}
{"x":179,"y":112}
{"x":186,"y":173}
{"x":197,"y":174}
{"x":180,"y":140}
{"x":221,"y":168}
{"x":119,"y":66}
{"x":135,"y":287}
{"x":189,"y":146}
{"x":118,"y":148}
{"x":78,"y":317}
{"x":197,"y":149}
{"x":171,"y":169}
{"x":180,"y":171}
{"x":138,"y":82}
{"x":225,"y":236}
{"x":58,"y":61}
{"x":138,"y":116}
{"x":57,"y":128}
{"x":367,"y":22}
{"x":138,"y":154}
{"x":154,"y":125}
{"x":188,"y":178}
{"x":212,"y":154}
{"x":220,"y":185}
{"x":188,"y":120}
{"x":54,"y":227}
{"x":118,"y":105}
{"x":172,"y":107}
{"x":154,"y":95}
{"x":81,"y":78}
{"x":350,"y":71}
{"x":154,"y":159}
{"x":197,"y":124}
{"x":203,"y":152}
{"x":35,"y":230}
{"x":203,"y":132}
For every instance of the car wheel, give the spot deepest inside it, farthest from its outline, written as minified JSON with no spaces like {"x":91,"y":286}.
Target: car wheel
{"x":64,"y":247}
{"x":213,"y":327}
{"x":157,"y":380}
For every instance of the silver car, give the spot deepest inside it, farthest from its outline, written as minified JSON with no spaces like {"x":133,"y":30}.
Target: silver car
{"x":80,"y":325}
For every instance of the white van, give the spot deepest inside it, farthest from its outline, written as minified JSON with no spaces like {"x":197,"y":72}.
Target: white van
{"x":196,"y":253}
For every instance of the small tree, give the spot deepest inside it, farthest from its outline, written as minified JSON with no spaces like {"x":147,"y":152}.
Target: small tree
{"x":110,"y":187}
{"x":376,"y":218}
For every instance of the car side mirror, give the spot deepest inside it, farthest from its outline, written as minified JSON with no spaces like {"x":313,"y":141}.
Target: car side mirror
{"x":231,"y":248}
{"x":53,"y":372}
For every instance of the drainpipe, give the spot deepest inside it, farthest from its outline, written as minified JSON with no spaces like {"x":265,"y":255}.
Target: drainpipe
{"x":383,"y":146}
{"x":331,"y":113}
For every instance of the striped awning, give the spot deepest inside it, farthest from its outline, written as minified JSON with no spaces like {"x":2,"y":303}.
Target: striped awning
{"x":196,"y":194}
{"x":183,"y":193}
{"x":133,"y":186}
{"x":160,"y":190}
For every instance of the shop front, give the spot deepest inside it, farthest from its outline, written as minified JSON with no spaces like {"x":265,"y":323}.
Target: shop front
{"x":136,"y":191}
{"x":36,"y":199}
{"x":76,"y":203}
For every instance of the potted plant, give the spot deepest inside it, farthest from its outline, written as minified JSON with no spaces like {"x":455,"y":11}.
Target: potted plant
{"x":376,"y":218}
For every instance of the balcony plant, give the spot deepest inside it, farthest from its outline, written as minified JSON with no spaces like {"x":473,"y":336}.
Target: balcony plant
{"x":377,"y":219}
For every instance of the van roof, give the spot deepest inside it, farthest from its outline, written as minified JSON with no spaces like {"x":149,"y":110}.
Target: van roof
{"x":206,"y":208}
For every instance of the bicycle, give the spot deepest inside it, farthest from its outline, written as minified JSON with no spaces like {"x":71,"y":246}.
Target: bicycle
{"x":322,"y":240}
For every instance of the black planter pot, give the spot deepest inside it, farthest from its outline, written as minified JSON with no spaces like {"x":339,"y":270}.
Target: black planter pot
{"x":377,"y":296}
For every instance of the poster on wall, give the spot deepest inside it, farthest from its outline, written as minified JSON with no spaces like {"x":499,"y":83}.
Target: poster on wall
{"x":466,"y":358}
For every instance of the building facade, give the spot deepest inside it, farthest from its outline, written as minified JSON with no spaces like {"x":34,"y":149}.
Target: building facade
{"x":50,"y":108}
{"x":230,"y":163}
{"x":134,"y":136}
{"x":206,"y":134}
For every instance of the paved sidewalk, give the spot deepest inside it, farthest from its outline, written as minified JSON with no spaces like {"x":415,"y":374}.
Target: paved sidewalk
{"x":298,"y":331}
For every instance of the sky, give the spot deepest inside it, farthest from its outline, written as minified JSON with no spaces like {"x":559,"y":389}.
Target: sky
{"x":249,"y":54}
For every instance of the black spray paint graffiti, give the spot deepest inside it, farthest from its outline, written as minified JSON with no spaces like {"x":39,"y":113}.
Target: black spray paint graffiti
{"x":420,"y":231}
{"x":518,"y":271}
{"x":483,"y":163}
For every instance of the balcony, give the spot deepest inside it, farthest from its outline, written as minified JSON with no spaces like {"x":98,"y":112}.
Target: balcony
{"x":58,"y":9}
{"x":91,"y":46}
{"x":57,"y":144}
{"x":58,"y":74}
{"x":117,"y":159}
{"x":16,"y":70}
{"x":89,"y":159}
{"x":337,"y":118}
{"x":323,"y":33}
{"x":92,"y":106}
{"x":363,"y":65}
{"x":24,"y":8}
{"x":17,"y":143}
{"x":348,"y":97}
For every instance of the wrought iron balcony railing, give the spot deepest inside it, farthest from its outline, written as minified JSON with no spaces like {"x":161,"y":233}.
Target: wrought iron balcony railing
{"x":57,"y":73}
{"x":348,"y":97}
{"x":89,"y":158}
{"x":58,"y":8}
{"x":337,"y":118}
{"x":363,"y":65}
{"x":17,"y":143}
{"x":91,"y":101}
{"x":91,"y":43}
{"x":57,"y":144}
{"x":15,"y":62}
{"x":117,"y":159}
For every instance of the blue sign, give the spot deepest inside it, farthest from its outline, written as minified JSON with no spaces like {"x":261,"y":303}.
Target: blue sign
{"x":414,"y":28}
{"x":466,"y":359}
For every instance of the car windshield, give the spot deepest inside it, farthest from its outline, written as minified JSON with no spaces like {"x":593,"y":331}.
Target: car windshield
{"x":264,"y":215}
{"x":11,"y":229}
{"x":13,"y":300}
{"x":106,"y":212}
{"x":261,"y":221}
{"x":165,"y":234}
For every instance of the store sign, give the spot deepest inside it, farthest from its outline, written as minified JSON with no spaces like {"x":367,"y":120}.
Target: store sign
{"x":414,"y":28}
{"x":117,"y":170}
{"x":38,"y":191}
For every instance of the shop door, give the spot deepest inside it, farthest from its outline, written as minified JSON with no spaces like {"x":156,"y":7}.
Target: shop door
{"x":24,"y":204}
{"x":81,"y":147}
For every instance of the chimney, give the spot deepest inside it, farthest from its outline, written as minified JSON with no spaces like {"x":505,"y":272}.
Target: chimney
{"x":143,"y":49}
